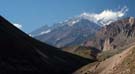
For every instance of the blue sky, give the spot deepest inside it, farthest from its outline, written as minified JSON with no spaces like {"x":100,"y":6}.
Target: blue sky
{"x":32,"y":14}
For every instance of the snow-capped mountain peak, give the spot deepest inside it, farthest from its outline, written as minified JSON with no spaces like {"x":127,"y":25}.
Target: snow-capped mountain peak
{"x":102,"y":18}
{"x":105,"y":17}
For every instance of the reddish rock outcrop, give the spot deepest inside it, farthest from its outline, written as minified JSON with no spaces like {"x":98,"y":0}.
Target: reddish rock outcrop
{"x":117,"y":35}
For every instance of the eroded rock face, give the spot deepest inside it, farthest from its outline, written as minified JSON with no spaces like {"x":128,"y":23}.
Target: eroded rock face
{"x":131,"y":20}
{"x":117,"y":35}
{"x":107,"y":45}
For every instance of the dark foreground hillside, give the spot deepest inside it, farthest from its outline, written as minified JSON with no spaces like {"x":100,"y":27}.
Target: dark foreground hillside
{"x":21,"y":54}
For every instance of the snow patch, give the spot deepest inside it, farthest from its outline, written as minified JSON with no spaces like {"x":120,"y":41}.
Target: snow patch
{"x":71,"y":23}
{"x":45,"y":32}
{"x":18,"y":25}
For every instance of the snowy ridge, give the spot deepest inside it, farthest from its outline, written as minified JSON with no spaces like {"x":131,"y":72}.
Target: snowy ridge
{"x":105,"y":17}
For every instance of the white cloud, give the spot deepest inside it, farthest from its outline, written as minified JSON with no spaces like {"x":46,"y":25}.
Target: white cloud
{"x":18,"y":25}
{"x":105,"y":17}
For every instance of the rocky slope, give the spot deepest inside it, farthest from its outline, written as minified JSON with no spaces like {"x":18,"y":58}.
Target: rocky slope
{"x":122,"y":63}
{"x":21,"y":54}
{"x":117,"y":35}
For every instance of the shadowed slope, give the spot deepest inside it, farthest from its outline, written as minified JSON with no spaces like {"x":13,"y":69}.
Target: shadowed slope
{"x":21,"y":54}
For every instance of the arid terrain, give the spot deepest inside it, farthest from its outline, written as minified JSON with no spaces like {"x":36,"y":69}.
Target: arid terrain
{"x":111,"y":51}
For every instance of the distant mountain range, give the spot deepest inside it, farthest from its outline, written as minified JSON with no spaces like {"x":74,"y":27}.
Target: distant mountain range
{"x":87,"y":33}
{"x":71,"y":32}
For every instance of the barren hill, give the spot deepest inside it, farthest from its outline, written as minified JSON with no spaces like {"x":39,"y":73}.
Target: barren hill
{"x":21,"y":54}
